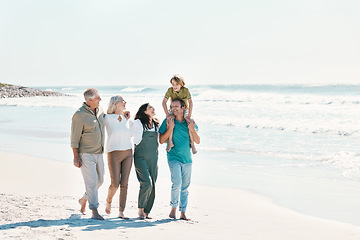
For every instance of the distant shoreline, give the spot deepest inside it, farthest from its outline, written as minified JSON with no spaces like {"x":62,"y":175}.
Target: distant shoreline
{"x":16,"y":91}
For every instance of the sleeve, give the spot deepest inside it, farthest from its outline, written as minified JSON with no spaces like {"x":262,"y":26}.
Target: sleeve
{"x":168,"y":93}
{"x":163,"y":127}
{"x":76,"y":130}
{"x":101,"y":111}
{"x":136,"y":130}
{"x":188,"y":95}
{"x":106,"y":123}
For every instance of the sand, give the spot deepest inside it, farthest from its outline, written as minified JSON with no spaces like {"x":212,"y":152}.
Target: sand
{"x":39,"y":201}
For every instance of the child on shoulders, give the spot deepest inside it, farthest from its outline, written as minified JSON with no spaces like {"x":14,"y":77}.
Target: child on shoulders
{"x":178,"y":90}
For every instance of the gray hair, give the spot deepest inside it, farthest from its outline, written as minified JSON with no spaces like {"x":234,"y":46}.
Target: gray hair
{"x":90,"y":93}
{"x":112,"y":104}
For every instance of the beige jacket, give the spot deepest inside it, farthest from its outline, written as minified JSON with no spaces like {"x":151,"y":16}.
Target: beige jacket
{"x":87,"y":130}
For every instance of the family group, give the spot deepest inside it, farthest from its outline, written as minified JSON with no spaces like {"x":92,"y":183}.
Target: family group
{"x":134,"y":140}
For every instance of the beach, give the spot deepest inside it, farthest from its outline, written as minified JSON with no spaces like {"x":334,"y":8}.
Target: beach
{"x":274,"y":90}
{"x":39,"y":201}
{"x":274,"y":162}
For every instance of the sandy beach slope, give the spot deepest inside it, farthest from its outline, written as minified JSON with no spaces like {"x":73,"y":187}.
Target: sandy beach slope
{"x":39,"y":201}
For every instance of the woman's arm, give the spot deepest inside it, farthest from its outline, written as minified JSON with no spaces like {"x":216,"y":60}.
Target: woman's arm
{"x":136,"y":130}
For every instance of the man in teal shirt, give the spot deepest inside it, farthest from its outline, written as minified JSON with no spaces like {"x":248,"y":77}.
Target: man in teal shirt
{"x":179,"y":157}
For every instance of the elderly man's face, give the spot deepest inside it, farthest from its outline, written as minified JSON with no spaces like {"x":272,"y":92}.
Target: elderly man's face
{"x":94,"y":102}
{"x":176,"y":108}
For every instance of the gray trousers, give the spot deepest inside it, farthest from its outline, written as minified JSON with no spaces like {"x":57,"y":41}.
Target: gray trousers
{"x":92,"y":170}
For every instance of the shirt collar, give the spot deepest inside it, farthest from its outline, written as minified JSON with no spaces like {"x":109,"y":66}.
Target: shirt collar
{"x":87,"y":107}
{"x":179,"y":121}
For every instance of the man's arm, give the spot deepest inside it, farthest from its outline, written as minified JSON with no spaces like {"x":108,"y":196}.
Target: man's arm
{"x":163,"y":137}
{"x":76,"y":132}
{"x":77,"y":160}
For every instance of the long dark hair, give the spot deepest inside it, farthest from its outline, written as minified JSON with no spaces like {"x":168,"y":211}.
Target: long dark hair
{"x":144,"y":118}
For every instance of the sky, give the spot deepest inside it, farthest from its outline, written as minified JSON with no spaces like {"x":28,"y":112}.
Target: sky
{"x":145,"y":42}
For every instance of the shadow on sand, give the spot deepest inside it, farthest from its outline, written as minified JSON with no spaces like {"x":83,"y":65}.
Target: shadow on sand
{"x":75,"y":220}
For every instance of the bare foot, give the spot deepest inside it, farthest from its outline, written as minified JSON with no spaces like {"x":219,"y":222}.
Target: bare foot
{"x":141,"y":213}
{"x":96,"y":215}
{"x":193,"y":148}
{"x":173,"y":213}
{"x":147,"y":216}
{"x":183,"y":217}
{"x":82,"y":202}
{"x":108,"y":208}
{"x":121,"y":215}
{"x":170,"y":145}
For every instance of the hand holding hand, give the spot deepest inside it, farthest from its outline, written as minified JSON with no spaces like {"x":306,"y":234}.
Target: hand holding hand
{"x":127,"y":115}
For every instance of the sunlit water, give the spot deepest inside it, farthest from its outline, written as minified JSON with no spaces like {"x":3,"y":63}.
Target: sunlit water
{"x":298,"y":145}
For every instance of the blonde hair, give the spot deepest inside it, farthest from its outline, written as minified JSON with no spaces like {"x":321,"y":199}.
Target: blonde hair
{"x":112,"y":104}
{"x":90,"y":93}
{"x":179,"y":79}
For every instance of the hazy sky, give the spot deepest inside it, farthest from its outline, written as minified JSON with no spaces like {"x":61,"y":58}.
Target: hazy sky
{"x":122,"y":42}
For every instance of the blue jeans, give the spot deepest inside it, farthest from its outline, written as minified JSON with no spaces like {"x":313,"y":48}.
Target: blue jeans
{"x":180,"y":178}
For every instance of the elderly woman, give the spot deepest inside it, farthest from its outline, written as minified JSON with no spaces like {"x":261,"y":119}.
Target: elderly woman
{"x":145,"y":133}
{"x":119,"y":151}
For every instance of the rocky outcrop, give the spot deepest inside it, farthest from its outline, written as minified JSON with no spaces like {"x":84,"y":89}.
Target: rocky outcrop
{"x":13,"y":91}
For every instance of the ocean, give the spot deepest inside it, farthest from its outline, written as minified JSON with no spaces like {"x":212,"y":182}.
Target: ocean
{"x":296,"y":144}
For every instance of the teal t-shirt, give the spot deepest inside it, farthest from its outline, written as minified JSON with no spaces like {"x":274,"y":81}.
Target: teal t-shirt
{"x":181,"y":139}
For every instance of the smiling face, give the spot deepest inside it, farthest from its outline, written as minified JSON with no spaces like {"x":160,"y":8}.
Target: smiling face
{"x":150,"y":111}
{"x":121,"y":105}
{"x":177,"y":109}
{"x":94,"y":102}
{"x":176,"y":86}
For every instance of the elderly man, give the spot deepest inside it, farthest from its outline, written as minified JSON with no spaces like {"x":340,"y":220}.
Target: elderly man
{"x":87,"y":142}
{"x":179,"y":157}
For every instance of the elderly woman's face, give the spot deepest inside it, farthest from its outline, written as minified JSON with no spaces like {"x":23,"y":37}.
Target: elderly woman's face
{"x":150,"y":111}
{"x":121,"y":104}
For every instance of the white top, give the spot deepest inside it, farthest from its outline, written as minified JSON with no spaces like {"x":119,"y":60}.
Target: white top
{"x":137,"y":131}
{"x":119,"y":133}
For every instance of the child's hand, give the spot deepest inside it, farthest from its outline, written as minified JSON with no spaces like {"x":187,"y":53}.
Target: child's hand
{"x":170,"y":122}
{"x":191,"y":123}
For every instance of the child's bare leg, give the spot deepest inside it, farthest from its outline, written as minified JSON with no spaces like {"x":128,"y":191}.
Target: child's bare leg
{"x":192,"y":144}
{"x":171,"y":144}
